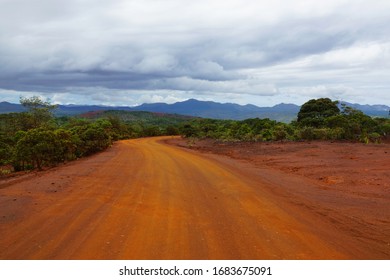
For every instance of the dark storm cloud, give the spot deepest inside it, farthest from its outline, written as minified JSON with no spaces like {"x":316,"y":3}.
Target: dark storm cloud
{"x":172,"y":49}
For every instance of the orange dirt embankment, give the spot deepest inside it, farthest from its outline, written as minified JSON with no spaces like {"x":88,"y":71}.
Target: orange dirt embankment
{"x":143,"y":199}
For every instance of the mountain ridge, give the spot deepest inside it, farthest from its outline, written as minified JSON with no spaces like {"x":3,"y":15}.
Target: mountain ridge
{"x":284,"y":112}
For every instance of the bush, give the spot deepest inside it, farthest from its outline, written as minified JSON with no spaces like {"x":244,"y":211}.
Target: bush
{"x":93,"y":139}
{"x":67,"y":145}
{"x":375,"y":137}
{"x":306,"y":133}
{"x":37,"y":148}
{"x":279,"y":133}
{"x":5,"y":153}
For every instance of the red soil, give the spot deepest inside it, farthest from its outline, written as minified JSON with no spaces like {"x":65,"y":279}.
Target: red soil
{"x":144,"y":199}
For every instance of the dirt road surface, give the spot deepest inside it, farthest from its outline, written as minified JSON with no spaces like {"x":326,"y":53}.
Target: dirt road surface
{"x":144,"y":199}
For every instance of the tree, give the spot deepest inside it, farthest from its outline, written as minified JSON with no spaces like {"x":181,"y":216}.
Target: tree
{"x":5,"y":152}
{"x":314,"y":112}
{"x":40,"y":112}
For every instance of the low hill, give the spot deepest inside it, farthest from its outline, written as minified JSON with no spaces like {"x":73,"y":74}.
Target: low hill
{"x":6,"y":107}
{"x":141,"y":117}
{"x":371,"y":110}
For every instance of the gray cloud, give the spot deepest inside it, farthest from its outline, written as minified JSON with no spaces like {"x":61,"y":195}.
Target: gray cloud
{"x":250,"y":51}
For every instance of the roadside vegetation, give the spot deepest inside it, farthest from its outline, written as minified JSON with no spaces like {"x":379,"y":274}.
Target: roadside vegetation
{"x":35,"y":139}
{"x":318,"y":119}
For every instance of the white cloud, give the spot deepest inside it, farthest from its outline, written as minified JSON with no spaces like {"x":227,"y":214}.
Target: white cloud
{"x":366,"y":54}
{"x":156,"y":63}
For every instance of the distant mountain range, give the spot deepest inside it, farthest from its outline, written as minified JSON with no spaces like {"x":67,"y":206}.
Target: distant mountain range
{"x":214,"y":110}
{"x":205,"y":109}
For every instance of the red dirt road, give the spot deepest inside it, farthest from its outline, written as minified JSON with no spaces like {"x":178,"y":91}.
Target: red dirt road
{"x":143,"y":199}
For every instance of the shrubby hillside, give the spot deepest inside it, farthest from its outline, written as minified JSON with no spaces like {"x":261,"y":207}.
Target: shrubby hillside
{"x":35,"y":138}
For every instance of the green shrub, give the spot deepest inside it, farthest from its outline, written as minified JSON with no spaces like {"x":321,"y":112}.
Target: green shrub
{"x":38,"y":147}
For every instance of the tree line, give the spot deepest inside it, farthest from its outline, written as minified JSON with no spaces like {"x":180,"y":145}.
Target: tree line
{"x":318,"y":119}
{"x":36,"y":138}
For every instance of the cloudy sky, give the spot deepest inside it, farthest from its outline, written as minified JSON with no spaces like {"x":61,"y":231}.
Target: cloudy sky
{"x":127,"y":52}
